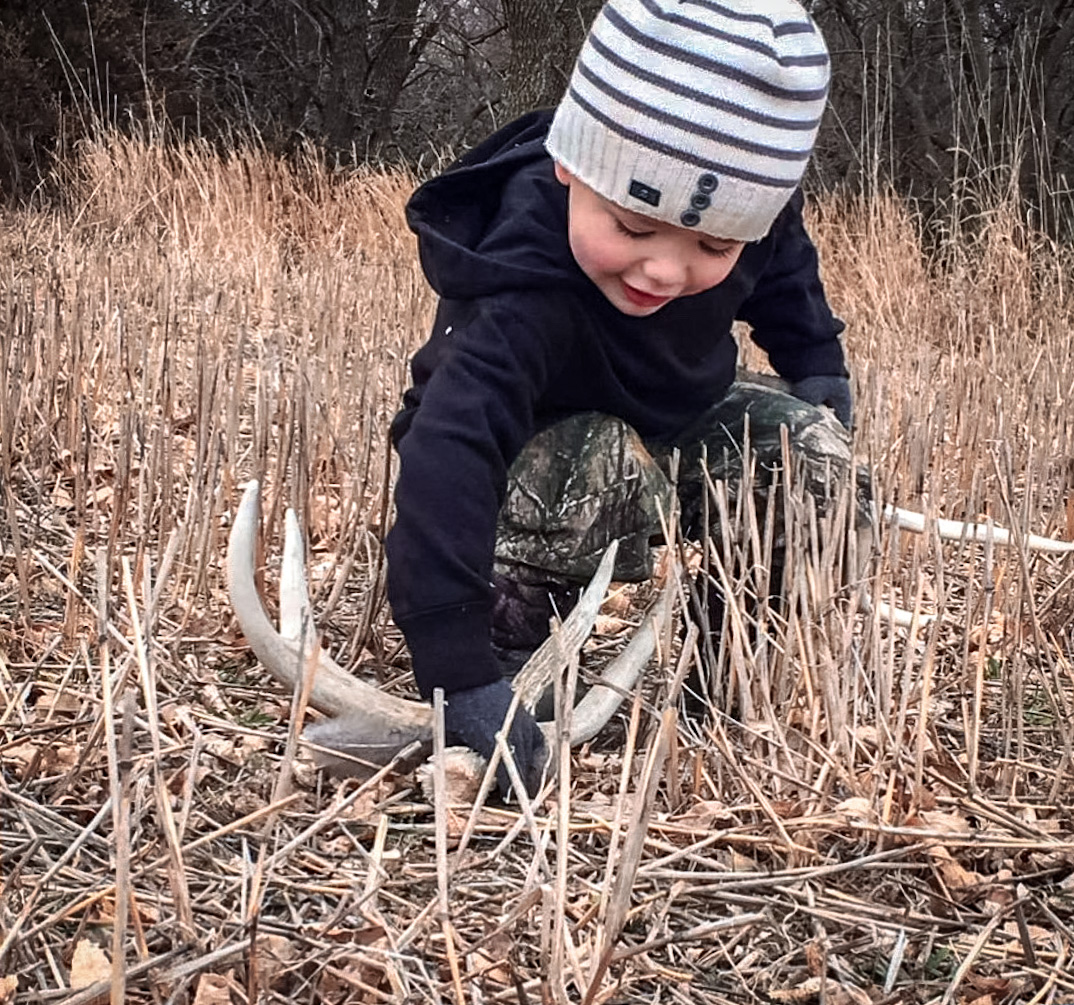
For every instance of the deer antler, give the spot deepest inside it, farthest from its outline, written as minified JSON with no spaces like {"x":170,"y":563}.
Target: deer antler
{"x":957,"y":530}
{"x":369,"y":724}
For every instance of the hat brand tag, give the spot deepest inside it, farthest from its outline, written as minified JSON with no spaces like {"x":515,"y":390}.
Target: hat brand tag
{"x":646,"y":193}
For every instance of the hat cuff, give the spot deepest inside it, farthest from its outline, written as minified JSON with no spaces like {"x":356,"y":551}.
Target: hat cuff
{"x":668,"y":186}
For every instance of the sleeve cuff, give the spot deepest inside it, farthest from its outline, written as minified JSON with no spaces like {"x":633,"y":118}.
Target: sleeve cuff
{"x":451,"y":648}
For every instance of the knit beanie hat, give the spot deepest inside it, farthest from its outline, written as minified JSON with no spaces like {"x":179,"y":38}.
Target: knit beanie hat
{"x":699,"y":113}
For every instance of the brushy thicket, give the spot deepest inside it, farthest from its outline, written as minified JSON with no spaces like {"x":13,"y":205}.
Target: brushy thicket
{"x":888,"y":823}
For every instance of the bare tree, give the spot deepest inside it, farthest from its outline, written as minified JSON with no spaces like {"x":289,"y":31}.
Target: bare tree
{"x":73,"y":67}
{"x":928,"y":92}
{"x":333,"y":69}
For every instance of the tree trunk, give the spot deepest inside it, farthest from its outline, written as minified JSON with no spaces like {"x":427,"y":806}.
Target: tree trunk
{"x":545,"y":39}
{"x":347,"y":27}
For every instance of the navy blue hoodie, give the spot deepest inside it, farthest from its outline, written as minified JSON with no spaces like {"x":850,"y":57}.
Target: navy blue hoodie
{"x":523,"y":337}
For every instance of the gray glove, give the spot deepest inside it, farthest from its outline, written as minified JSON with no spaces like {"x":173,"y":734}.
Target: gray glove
{"x":827,"y":390}
{"x":473,"y":717}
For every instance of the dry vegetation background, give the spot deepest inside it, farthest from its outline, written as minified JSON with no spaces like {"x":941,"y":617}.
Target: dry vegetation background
{"x":891,"y":823}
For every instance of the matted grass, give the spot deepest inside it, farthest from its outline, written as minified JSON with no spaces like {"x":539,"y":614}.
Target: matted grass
{"x":886,"y":819}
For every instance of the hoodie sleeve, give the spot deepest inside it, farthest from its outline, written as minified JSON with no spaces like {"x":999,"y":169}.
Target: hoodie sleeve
{"x":788,"y":310}
{"x":476,"y":413}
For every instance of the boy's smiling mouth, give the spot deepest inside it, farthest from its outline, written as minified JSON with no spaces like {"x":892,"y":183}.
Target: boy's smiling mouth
{"x":642,"y":299}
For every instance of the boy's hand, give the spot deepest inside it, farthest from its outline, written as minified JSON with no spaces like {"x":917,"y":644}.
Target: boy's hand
{"x":831,"y":391}
{"x":473,"y":717}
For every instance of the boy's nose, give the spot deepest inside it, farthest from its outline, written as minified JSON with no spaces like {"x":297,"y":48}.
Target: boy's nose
{"x":666,"y":271}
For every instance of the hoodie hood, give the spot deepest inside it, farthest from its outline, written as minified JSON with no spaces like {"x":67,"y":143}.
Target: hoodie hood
{"x":497,"y":219}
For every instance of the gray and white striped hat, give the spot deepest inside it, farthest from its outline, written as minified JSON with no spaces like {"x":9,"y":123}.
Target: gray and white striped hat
{"x":700,"y":113}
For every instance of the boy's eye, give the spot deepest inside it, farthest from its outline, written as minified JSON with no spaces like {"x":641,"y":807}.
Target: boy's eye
{"x":717,"y":251}
{"x":626,"y":231}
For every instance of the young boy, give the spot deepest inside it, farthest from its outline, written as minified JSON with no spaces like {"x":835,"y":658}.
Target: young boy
{"x":590,"y":265}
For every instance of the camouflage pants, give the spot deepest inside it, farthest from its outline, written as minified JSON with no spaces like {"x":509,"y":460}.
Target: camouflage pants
{"x":589,"y":479}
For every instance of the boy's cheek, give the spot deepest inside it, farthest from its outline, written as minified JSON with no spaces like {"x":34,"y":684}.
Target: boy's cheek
{"x":597,"y":258}
{"x":719,"y":274}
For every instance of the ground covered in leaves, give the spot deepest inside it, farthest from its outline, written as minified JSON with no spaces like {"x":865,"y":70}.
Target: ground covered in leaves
{"x":666,"y":870}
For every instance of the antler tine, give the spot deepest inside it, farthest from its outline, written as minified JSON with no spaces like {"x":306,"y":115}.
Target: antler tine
{"x":599,"y":704}
{"x":899,"y":617}
{"x":956,"y":530}
{"x":552,"y":655}
{"x":296,"y":617}
{"x":949,"y":530}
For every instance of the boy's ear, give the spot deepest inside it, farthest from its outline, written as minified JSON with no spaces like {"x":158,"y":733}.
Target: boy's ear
{"x":564,"y":176}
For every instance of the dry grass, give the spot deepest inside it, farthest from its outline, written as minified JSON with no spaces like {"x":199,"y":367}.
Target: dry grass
{"x":887,"y":819}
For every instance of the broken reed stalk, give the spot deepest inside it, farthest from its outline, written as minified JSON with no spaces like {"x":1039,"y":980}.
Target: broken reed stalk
{"x":440,"y":810}
{"x":633,"y":845}
{"x":563,"y":693}
{"x":120,"y":766}
{"x":11,"y":419}
{"x":164,"y":807}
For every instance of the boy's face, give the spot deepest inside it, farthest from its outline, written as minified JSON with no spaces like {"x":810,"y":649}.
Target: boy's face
{"x":638,"y":263}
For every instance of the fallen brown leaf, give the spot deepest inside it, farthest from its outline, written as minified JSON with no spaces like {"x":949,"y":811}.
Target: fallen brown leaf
{"x":364,"y":808}
{"x":32,"y":760}
{"x":954,"y":876}
{"x":608,"y":624}
{"x":617,"y":602}
{"x":51,"y":700}
{"x":20,"y":756}
{"x":223,"y":748}
{"x":369,"y":935}
{"x":857,"y":809}
{"x":847,"y":994}
{"x":810,"y":989}
{"x":489,"y":961}
{"x":104,"y":911}
{"x":705,"y":815}
{"x":463,"y":770}
{"x":807,"y":991}
{"x":275,"y":954}
{"x":924,"y":798}
{"x":89,"y":964}
{"x":816,"y":959}
{"x":1041,"y":938}
{"x":944,"y":823}
{"x":993,"y":987}
{"x":213,"y":989}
